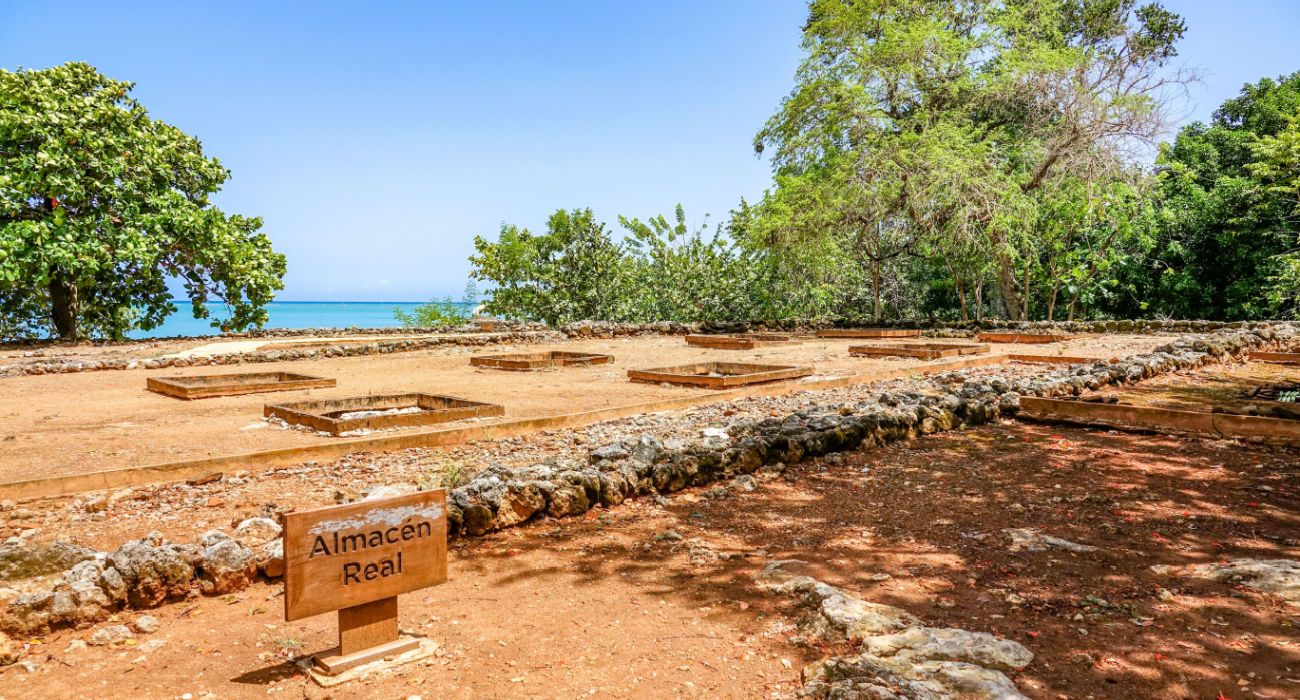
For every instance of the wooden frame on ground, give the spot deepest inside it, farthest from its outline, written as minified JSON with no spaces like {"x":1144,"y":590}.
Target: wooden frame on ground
{"x":332,"y":416}
{"x":718,"y":375}
{"x":924,"y":351}
{"x":869,"y":333}
{"x":739,"y":341}
{"x":532,"y":361}
{"x":206,"y":386}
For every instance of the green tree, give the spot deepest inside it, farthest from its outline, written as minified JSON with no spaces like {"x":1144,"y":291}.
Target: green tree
{"x":956,"y":112}
{"x":574,"y":271}
{"x":1277,"y":165}
{"x":439,"y":313}
{"x":1224,"y":224}
{"x":100,"y":205}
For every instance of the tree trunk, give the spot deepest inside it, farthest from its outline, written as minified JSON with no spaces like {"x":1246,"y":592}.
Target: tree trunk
{"x":875,"y":286}
{"x":1051,"y":300}
{"x":66,"y":306}
{"x":1024,"y":296}
{"x":961,"y":297}
{"x":979,"y":301}
{"x":1009,"y":288}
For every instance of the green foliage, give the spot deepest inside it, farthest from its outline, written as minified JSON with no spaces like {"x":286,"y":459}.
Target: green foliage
{"x":439,"y":313}
{"x":942,"y":122}
{"x":661,"y":270}
{"x":100,"y":204}
{"x":575,"y":270}
{"x":1224,"y":227}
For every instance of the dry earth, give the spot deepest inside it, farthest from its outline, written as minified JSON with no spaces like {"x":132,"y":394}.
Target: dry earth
{"x":617,"y":604}
{"x":62,"y":424}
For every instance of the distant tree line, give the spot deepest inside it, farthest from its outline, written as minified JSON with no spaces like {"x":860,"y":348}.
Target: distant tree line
{"x":959,"y":160}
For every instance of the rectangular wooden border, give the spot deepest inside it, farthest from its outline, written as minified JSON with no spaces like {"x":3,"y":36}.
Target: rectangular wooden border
{"x":924,"y":351}
{"x":66,"y":484}
{"x":1272,"y":431}
{"x":533,"y":361}
{"x":691,"y":375}
{"x":1030,"y":338}
{"x":182,"y":386}
{"x":437,"y":409}
{"x":869,"y":333}
{"x":1280,"y":358}
{"x":1060,"y":359}
{"x":741,"y":341}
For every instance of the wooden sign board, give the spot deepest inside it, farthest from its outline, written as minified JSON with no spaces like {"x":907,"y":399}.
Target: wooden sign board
{"x":347,"y":556}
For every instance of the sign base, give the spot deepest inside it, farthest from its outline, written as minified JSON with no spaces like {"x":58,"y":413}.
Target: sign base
{"x":334,"y":662}
{"x":424,"y":648}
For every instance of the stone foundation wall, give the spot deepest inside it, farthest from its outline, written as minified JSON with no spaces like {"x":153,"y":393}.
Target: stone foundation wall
{"x":382,"y":347}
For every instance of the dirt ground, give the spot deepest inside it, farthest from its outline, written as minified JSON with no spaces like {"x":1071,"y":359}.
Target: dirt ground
{"x":89,"y":421}
{"x":613,"y":605}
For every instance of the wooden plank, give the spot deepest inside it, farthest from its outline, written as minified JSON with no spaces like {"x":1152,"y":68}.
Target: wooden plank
{"x":1163,"y":420}
{"x":927,"y":351}
{"x":367,"y":625}
{"x":67,"y":484}
{"x":1060,"y":359}
{"x":350,"y":555}
{"x":211,"y":385}
{"x":1281,"y":358}
{"x":869,"y":333}
{"x":1032,"y":338}
{"x":333,"y":662}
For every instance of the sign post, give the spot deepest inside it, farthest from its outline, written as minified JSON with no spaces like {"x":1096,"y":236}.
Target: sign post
{"x":356,"y":559}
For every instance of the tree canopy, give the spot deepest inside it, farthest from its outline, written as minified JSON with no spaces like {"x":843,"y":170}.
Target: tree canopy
{"x":957,"y":118}
{"x":100,"y":205}
{"x":1224,"y":234}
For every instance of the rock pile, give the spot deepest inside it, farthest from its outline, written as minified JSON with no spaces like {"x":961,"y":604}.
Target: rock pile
{"x":898,"y":656}
{"x":147,"y":572}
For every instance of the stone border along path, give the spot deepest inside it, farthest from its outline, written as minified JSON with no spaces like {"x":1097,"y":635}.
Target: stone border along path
{"x":382,"y":347}
{"x":145,"y":573}
{"x":900,"y":657}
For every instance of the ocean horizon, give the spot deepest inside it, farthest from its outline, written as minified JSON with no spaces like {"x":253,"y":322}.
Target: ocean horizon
{"x":289,"y":314}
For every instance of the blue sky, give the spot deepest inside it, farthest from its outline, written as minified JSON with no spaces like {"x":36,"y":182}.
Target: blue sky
{"x":377,"y":139}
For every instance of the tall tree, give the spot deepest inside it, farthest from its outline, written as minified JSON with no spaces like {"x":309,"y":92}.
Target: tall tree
{"x":100,"y":205}
{"x":1224,"y":221}
{"x":958,"y":111}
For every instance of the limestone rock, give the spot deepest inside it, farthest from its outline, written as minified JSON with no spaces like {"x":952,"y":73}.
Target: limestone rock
{"x":389,"y":491}
{"x":1279,"y":577}
{"x":19,"y":561}
{"x":146,"y":624}
{"x":254,"y":531}
{"x":1032,"y":540}
{"x":270,"y":558}
{"x":226,"y":566}
{"x":153,"y":572}
{"x":110,"y":635}
{"x":918,"y":644}
{"x":10,"y":650}
{"x":522,"y":501}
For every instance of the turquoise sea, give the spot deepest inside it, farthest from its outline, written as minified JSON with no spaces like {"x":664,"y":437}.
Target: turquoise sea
{"x":288,"y":314}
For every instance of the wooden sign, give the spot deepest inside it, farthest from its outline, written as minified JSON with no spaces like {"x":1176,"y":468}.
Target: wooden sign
{"x":356,"y":559}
